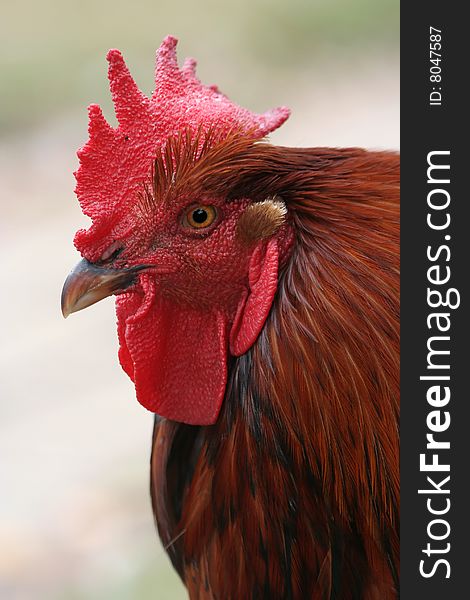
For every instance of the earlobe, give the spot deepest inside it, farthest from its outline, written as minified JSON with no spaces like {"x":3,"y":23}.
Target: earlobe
{"x":255,"y":304}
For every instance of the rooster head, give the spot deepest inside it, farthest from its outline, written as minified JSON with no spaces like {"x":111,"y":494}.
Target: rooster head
{"x":194,"y":265}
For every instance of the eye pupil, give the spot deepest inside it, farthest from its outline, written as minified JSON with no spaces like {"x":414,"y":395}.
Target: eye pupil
{"x":200,"y":216}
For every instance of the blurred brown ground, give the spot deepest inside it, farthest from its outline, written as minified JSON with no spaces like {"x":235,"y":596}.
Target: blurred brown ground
{"x":75,"y":518}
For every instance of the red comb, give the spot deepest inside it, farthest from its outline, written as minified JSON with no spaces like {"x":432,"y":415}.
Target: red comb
{"x":116,"y":161}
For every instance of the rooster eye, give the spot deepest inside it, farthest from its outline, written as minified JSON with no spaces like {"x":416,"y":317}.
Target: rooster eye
{"x":200,"y":217}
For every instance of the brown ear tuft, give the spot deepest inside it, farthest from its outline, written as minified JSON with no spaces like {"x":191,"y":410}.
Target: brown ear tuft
{"x":261,"y":220}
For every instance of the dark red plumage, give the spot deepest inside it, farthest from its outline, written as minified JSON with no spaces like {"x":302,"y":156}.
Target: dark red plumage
{"x":293,"y":493}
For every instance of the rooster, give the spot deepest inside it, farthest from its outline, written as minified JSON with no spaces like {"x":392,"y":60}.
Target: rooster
{"x":257,"y":305}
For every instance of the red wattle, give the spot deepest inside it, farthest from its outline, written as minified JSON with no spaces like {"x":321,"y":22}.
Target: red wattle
{"x":177,"y":358}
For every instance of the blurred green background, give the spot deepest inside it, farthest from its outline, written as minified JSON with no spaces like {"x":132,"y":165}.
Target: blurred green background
{"x":75,"y":518}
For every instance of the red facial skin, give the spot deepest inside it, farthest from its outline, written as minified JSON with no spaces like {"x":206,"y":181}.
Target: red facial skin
{"x":174,"y":324}
{"x":204,"y":292}
{"x":206,"y":267}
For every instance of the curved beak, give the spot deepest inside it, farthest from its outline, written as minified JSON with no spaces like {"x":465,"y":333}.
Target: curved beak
{"x":88,"y":283}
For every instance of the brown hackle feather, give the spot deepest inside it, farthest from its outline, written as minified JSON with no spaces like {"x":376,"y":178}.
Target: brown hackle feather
{"x":187,"y":161}
{"x":294,"y":492}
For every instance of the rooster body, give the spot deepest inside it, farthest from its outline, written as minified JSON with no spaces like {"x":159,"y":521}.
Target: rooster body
{"x":257,"y":299}
{"x":293,"y":493}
